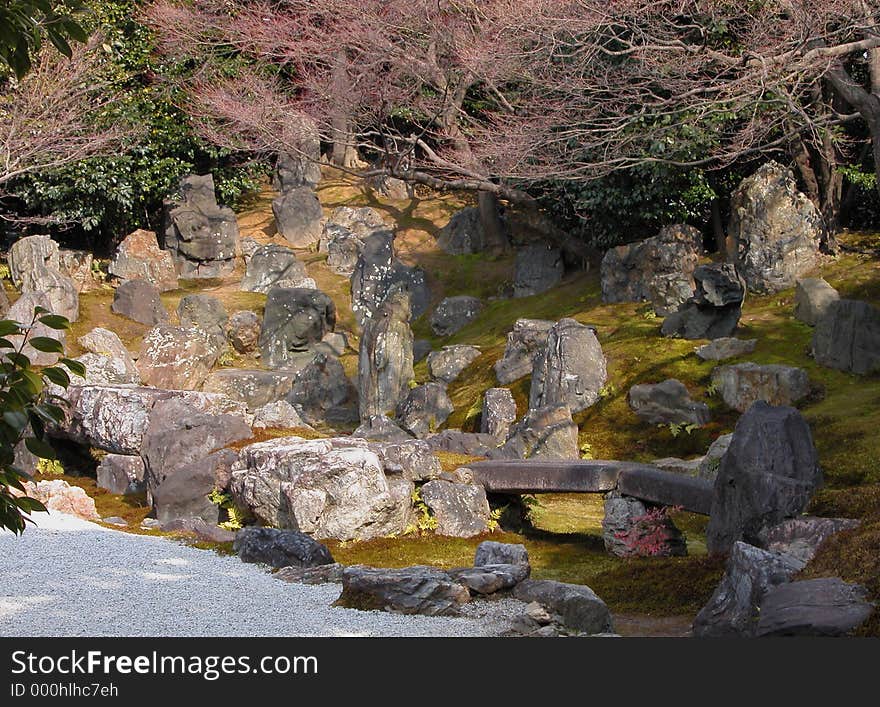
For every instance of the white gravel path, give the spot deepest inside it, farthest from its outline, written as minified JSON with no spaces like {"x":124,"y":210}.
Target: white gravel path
{"x":69,"y":577}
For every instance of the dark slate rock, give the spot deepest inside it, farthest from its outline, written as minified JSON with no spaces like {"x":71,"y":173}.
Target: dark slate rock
{"x":140,"y":301}
{"x":814,"y":607}
{"x":271,"y":264}
{"x":847,"y":337}
{"x":280,"y":548}
{"x":581,"y":610}
{"x":490,"y":552}
{"x":295,"y":319}
{"x":527,"y":339}
{"x":461,"y":510}
{"x":537,"y":269}
{"x":714,"y":310}
{"x":409,"y":590}
{"x":298,"y":216}
{"x":453,"y":313}
{"x":667,"y":403}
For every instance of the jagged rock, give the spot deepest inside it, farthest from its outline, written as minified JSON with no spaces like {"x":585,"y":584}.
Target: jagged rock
{"x":302,"y":168}
{"x":447,"y":364}
{"x":814,"y":607}
{"x":453,"y":313}
{"x":570,"y":369}
{"x":775,"y":230}
{"x":545,"y":433}
{"x":714,"y":310}
{"x":750,"y":573}
{"x":343,"y":249}
{"x":279,"y":415}
{"x":77,"y":265}
{"x":381,"y":428}
{"x":322,"y":574}
{"x":425,"y":408}
{"x":243,"y":331}
{"x":206,"y":313}
{"x":176,"y":358}
{"x":490,"y":552}
{"x":328,"y":488}
{"x":490,"y":578}
{"x":138,"y":257}
{"x":322,"y":392}
{"x":270,"y":264}
{"x":768,"y":474}
{"x":59,"y":496}
{"x":362,"y":222}
{"x":581,"y":610}
{"x":121,"y":474}
{"x":468,"y":443}
{"x":742,"y":384}
{"x":334,"y":343}
{"x":32,"y":252}
{"x":409,"y":590}
{"x":421,"y":349}
{"x":464,"y":233}
{"x":247,"y":247}
{"x":201,"y":235}
{"x":298,"y":216}
{"x":294,"y":320}
{"x":23,"y":312}
{"x":658,"y":270}
{"x":726,"y":347}
{"x":847,"y":337}
{"x":385,"y":359}
{"x":389,"y":187}
{"x":280,"y":548}
{"x":711,"y":463}
{"x":411,"y":458}
{"x":140,"y":301}
{"x":803,"y":536}
{"x":461,"y":510}
{"x":629,"y":531}
{"x":254,"y":387}
{"x":107,"y":362}
{"x":667,"y":403}
{"x":812,"y":297}
{"x":4,"y":302}
{"x":527,"y":339}
{"x":59,"y":290}
{"x":537,"y":269}
{"x":499,"y":413}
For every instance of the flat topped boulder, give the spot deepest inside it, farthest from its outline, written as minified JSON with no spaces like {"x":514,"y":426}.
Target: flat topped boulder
{"x":742,"y":384}
{"x":546,"y":475}
{"x":254,"y":387}
{"x":270,"y":265}
{"x":666,"y":488}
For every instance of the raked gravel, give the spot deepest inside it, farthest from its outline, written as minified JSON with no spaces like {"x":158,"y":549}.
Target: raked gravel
{"x":69,"y":577}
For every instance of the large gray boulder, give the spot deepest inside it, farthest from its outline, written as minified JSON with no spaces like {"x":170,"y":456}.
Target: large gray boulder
{"x":453,"y":313}
{"x":409,"y":590}
{"x":294,"y":321}
{"x":461,"y":510}
{"x":749,"y":575}
{"x":537,"y":269}
{"x":176,"y":358}
{"x":812,"y":297}
{"x":775,"y":231}
{"x":578,"y":606}
{"x":667,"y":403}
{"x":658,"y":270}
{"x":629,"y":530}
{"x":138,"y":257}
{"x":206,"y":313}
{"x":343,"y":249}
{"x":328,"y":488}
{"x":768,"y":474}
{"x":447,"y":364}
{"x":525,"y":341}
{"x":77,"y":265}
{"x":424,"y":409}
{"x":490,"y":552}
{"x":139,"y":300}
{"x":463,"y":234}
{"x":121,"y":474}
{"x":499,"y":413}
{"x":385,"y":358}
{"x":544,"y":433}
{"x":322,"y":393}
{"x":303,"y":167}
{"x":362,"y":221}
{"x":201,"y":235}
{"x":278,"y":415}
{"x":742,"y":384}
{"x":411,"y":458}
{"x":714,"y":310}
{"x":280,"y":548}
{"x":107,"y":361}
{"x":570,"y":369}
{"x":58,"y":288}
{"x":814,"y":607}
{"x":254,"y":387}
{"x":298,"y":216}
{"x":726,"y":347}
{"x":847,"y":337}
{"x":32,"y":252}
{"x":273,"y":264}
{"x":23,"y":312}
{"x":381,"y":428}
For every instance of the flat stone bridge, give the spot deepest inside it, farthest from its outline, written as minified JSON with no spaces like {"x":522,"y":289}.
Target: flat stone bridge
{"x":642,"y":481}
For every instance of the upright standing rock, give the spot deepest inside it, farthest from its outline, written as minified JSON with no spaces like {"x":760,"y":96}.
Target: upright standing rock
{"x":847,"y":337}
{"x":424,"y":409}
{"x":23,"y":312}
{"x":176,"y":358}
{"x":139,"y":257}
{"x":298,"y":216}
{"x":59,"y":289}
{"x":273,"y":264}
{"x":499,"y":413}
{"x":545,"y":433}
{"x":385,"y":362}
{"x":206,"y":313}
{"x":295,"y":319}
{"x":570,"y":370}
{"x":139,"y":300}
{"x":537,"y":269}
{"x":812,"y":297}
{"x":31,"y":252}
{"x":303,"y":167}
{"x":714,"y":310}
{"x":527,"y":339}
{"x":322,"y":392}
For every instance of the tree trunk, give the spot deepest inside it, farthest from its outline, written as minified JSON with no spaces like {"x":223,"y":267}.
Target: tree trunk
{"x":493,"y":227}
{"x":343,"y":152}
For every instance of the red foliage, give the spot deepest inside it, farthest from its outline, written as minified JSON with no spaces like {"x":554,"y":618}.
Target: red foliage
{"x":649,"y":534}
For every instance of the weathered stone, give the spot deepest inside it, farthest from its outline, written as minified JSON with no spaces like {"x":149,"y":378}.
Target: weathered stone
{"x":322,"y":392}
{"x":688,"y":467}
{"x":280,"y":548}
{"x":381,"y":428}
{"x":322,"y":574}
{"x":328,"y":488}
{"x":742,"y":384}
{"x":298,"y":216}
{"x":726,"y":347}
{"x":139,"y":300}
{"x":628,"y":530}
{"x":554,"y":476}
{"x":461,"y":510}
{"x":802,"y":537}
{"x":490,"y":552}
{"x":458,"y":442}
{"x":570,"y":369}
{"x":278,"y":415}
{"x":206,"y":313}
{"x":537,"y":269}
{"x":464,"y":233}
{"x":269,"y":265}
{"x":207,"y":532}
{"x":665,"y":489}
{"x":421,"y":349}
{"x":425,"y":408}
{"x":410,"y":590}
{"x":385,"y":358}
{"x":30,"y":253}
{"x":334,"y":343}
{"x":302,"y":168}
{"x":107,"y":361}
{"x":499,"y":413}
{"x":57,"y":287}
{"x":201,"y":235}
{"x":104,"y":342}
{"x":453,"y":313}
{"x":581,"y":610}
{"x":667,"y":403}
{"x":544,"y":433}
{"x":814,"y":607}
{"x":490,"y":578}
{"x":712,"y":461}
{"x":714,"y":310}
{"x":750,"y":573}
{"x":768,"y":474}
{"x":247,"y":247}
{"x":410,"y":458}
{"x":775,"y":230}
{"x":343,"y":249}
{"x":59,"y":496}
{"x":847,"y":337}
{"x":447,"y":364}
{"x":243,"y":331}
{"x":23,"y":312}
{"x":658,"y":270}
{"x":176,"y":358}
{"x":527,"y":339}
{"x":138,"y":257}
{"x":812,"y":297}
{"x":121,"y":474}
{"x":294,"y":320}
{"x":361,"y":221}
{"x":254,"y":387}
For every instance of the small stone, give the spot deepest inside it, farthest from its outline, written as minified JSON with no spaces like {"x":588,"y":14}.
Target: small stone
{"x":117,"y":521}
